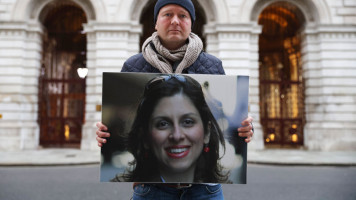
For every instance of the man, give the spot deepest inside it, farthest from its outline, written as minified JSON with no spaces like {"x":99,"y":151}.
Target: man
{"x":173,"y":48}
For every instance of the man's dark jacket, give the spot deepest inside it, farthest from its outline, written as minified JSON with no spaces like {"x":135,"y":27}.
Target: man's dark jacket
{"x":205,"y":64}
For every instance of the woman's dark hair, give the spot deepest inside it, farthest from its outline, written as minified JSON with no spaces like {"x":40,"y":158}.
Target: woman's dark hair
{"x":144,"y":168}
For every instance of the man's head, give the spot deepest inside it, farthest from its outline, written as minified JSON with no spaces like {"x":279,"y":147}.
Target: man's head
{"x":173,"y":26}
{"x":186,"y":4}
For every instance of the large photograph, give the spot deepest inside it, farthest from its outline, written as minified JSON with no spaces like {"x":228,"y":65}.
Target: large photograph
{"x":174,"y":128}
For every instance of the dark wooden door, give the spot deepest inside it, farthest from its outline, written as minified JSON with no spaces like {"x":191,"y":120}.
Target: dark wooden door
{"x":280,"y":73}
{"x":61,"y":90}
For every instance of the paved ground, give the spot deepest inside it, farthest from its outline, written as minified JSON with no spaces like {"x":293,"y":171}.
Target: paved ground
{"x":280,"y":174}
{"x":302,"y":157}
{"x":46,"y":157}
{"x":267,"y":182}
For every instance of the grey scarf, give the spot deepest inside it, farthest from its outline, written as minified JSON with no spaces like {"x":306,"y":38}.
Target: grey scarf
{"x":188,"y":53}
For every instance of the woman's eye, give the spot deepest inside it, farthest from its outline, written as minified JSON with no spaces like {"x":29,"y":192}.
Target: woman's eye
{"x":162,"y":124}
{"x":183,"y":16}
{"x":188,"y":122}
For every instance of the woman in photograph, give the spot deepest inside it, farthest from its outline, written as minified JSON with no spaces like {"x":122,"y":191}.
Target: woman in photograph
{"x":174,"y":137}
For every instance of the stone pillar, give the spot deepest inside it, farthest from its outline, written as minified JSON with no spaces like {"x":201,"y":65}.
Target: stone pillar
{"x":20,"y":61}
{"x":329,"y":71}
{"x":109,"y":45}
{"x":237,"y":46}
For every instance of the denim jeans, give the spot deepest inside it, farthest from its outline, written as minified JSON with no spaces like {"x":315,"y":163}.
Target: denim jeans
{"x":162,"y":192}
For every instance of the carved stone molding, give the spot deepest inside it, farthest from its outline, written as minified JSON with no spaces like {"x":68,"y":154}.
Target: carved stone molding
{"x":12,"y":33}
{"x":20,"y":29}
{"x":112,"y":27}
{"x":250,"y":28}
{"x":97,"y":30}
{"x":338,"y":35}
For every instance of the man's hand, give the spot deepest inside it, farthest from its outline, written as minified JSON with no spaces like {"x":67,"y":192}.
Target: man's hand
{"x":101,"y":134}
{"x":247,"y":129}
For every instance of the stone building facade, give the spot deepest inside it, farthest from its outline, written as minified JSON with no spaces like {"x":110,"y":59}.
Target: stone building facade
{"x":231,"y":31}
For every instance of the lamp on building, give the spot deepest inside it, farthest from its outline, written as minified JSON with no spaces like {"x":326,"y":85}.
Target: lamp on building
{"x":66,"y":132}
{"x":295,"y":138}
{"x":293,"y":133}
{"x":82,"y":72}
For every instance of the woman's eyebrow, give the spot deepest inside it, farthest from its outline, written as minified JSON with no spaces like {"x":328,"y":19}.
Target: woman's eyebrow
{"x":191,"y":113}
{"x":167,"y":117}
{"x":160,"y":117}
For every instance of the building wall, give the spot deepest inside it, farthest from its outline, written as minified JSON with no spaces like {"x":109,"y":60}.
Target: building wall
{"x":113,"y":30}
{"x":330,"y":67}
{"x":20,"y":53}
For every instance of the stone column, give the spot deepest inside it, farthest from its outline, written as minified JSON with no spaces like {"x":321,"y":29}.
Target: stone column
{"x":109,"y":45}
{"x":20,"y":61}
{"x":237,"y":46}
{"x":329,"y":71}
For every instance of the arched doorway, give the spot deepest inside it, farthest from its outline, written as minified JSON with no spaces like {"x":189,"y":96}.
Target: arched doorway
{"x":61,"y":89}
{"x":280,"y":73}
{"x":146,"y":20}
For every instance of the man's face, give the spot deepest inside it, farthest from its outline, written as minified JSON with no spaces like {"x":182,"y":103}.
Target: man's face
{"x":173,"y":26}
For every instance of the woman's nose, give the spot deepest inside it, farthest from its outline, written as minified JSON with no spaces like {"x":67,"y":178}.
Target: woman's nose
{"x":177,"y":133}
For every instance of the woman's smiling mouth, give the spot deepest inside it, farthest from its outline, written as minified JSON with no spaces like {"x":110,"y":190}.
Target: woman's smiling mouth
{"x":177,"y":151}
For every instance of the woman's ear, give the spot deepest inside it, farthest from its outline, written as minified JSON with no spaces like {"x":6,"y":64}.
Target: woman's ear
{"x":207,"y":135}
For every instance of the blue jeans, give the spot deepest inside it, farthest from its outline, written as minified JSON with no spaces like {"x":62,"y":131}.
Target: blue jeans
{"x":162,"y":192}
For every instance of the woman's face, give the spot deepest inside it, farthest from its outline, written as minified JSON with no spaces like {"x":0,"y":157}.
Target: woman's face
{"x":177,"y":134}
{"x":173,"y":26}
